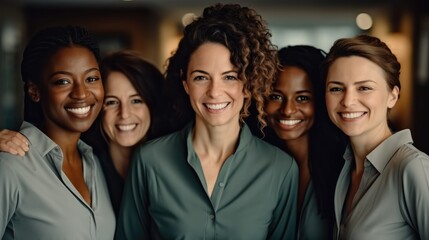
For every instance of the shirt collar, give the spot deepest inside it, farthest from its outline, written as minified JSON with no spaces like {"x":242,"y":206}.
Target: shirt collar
{"x":43,"y":144}
{"x":37,"y":139}
{"x":244,"y":138}
{"x":381,"y":155}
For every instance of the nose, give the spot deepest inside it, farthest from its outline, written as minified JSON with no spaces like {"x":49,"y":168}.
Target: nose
{"x":79,"y":91}
{"x":288,"y":107}
{"x":124,"y":110}
{"x":215,"y":88}
{"x":349,"y":98}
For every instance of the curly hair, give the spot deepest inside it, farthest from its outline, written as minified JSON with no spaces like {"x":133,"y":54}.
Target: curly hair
{"x":38,"y":51}
{"x":247,"y":37}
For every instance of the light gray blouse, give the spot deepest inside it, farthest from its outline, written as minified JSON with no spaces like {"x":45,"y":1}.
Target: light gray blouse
{"x":392,"y":201}
{"x":38,"y":201}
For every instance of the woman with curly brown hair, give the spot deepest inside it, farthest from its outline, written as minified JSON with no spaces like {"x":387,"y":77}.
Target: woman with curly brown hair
{"x":213,"y":178}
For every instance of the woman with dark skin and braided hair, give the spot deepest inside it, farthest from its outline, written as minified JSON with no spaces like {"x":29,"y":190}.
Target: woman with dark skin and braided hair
{"x":57,"y":190}
{"x":213,"y":179}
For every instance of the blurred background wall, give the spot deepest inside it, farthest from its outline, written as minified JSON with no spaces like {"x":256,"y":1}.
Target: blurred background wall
{"x":153,"y":27}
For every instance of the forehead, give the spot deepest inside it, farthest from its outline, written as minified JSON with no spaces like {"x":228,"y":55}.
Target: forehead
{"x":117,"y":82}
{"x":355,"y":68}
{"x":292,"y":79}
{"x":210,"y":55}
{"x":72,"y":58}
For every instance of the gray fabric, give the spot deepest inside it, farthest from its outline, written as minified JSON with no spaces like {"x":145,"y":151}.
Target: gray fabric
{"x":392,"y":201}
{"x":37,"y":201}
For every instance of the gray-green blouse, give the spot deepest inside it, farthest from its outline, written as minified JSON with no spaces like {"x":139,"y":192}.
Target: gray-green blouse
{"x":38,"y":201}
{"x":311,"y":226}
{"x":392,"y":201}
{"x":255,"y":196}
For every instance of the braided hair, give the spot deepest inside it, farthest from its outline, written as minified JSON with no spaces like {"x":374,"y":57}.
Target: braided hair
{"x":39,"y":49}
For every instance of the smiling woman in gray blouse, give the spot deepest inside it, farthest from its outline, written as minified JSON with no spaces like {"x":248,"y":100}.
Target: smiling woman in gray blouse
{"x":383,"y":189}
{"x":57,"y":190}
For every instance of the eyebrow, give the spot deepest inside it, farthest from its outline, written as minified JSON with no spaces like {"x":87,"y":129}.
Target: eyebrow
{"x":355,"y":83}
{"x":204,"y":72}
{"x":113,"y":96}
{"x":68,"y":73}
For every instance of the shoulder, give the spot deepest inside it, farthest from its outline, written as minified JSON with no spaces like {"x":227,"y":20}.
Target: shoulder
{"x":162,"y":147}
{"x":409,"y":159}
{"x":270,"y":153}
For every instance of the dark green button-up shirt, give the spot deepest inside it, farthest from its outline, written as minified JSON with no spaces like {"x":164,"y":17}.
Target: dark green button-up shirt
{"x":165,"y":197}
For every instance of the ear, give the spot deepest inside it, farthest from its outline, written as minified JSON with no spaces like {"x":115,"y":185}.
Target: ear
{"x":33,"y":91}
{"x":185,"y":86}
{"x":393,"y":97}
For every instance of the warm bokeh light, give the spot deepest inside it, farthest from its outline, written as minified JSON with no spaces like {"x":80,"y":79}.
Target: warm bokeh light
{"x":188,"y":18}
{"x":364,"y":21}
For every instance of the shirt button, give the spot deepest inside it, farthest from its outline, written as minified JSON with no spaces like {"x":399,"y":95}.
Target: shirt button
{"x":212,"y":216}
{"x":221,"y":184}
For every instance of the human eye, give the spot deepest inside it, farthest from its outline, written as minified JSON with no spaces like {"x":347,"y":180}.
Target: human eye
{"x":92,"y":79}
{"x":275,"y":97}
{"x":335,"y":89}
{"x":61,"y":81}
{"x":136,"y":100}
{"x":199,"y":78}
{"x":303,"y":98}
{"x":364,"y":88}
{"x":231,"y":77}
{"x":109,"y":102}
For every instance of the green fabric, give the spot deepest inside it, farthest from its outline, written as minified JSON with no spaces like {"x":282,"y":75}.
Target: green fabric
{"x":255,"y":196}
{"x":311,"y":226}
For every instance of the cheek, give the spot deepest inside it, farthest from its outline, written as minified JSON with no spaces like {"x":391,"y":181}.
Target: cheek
{"x":271,"y":108}
{"x":108,"y":122}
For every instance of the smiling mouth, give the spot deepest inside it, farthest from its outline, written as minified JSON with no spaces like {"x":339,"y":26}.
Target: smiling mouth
{"x":79,"y":111}
{"x":290,"y":122}
{"x":127,"y":127}
{"x":352,"y":115}
{"x":218,"y":106}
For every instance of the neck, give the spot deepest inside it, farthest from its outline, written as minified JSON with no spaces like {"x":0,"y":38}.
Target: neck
{"x":121,"y":157}
{"x":364,"y":144}
{"x":67,"y":141}
{"x":219,"y":141}
{"x":299,"y":149}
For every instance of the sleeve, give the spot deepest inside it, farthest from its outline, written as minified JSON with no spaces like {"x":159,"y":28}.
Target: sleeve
{"x":416,"y":195}
{"x":8,"y":195}
{"x":133,"y":219}
{"x":283,"y":225}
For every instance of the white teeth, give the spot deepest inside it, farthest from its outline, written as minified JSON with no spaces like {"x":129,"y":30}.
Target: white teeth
{"x":352,"y":115}
{"x":82,"y":110}
{"x":290,"y":122}
{"x":216,"y":106}
{"x":127,"y":127}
